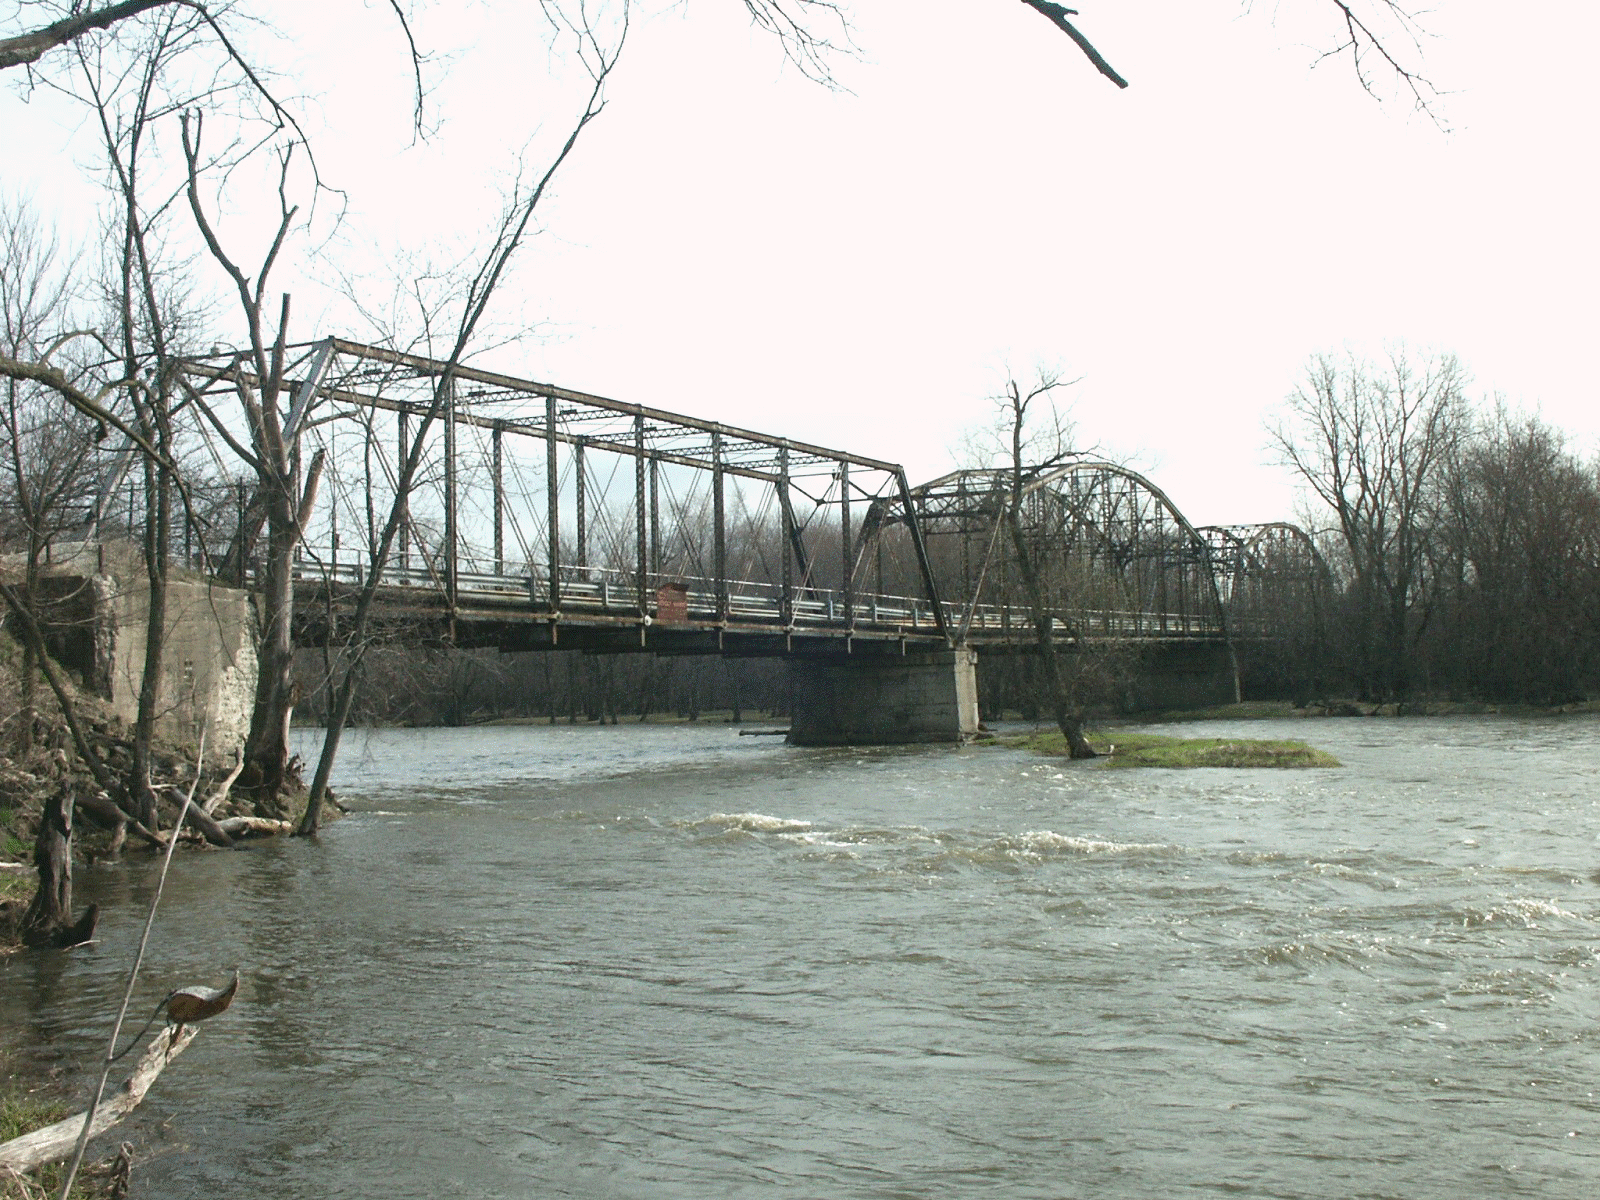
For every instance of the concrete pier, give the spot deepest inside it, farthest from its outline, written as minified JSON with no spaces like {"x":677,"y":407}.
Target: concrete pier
{"x":884,"y":700}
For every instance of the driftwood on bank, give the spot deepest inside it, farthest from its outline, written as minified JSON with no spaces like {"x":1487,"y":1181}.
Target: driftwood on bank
{"x":106,"y":811}
{"x":208,"y":827}
{"x":56,"y":1142}
{"x":240,"y":828}
{"x":224,"y":786}
{"x":200,"y":814}
{"x":247,"y":827}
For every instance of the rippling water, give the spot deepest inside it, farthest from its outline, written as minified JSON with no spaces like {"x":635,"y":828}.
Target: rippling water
{"x":672,"y":962}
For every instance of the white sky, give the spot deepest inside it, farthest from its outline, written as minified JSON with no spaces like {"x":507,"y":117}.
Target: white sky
{"x":859,"y":268}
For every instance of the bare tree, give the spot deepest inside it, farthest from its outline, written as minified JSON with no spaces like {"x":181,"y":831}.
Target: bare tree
{"x":599,"y":55}
{"x":47,"y":451}
{"x":1521,"y":567}
{"x":270,"y":448}
{"x":1037,"y":439}
{"x":1372,"y":443}
{"x":141,"y":336}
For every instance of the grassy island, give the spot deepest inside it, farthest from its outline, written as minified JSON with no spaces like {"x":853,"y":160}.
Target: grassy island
{"x":1126,"y":749}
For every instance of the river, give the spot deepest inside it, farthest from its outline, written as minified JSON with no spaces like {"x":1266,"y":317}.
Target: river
{"x":671,"y":962}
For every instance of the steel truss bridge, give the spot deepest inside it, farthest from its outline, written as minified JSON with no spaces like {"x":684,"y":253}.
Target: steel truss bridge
{"x":539,"y":516}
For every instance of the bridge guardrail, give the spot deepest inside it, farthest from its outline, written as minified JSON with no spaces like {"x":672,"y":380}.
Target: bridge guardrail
{"x":747,"y":602}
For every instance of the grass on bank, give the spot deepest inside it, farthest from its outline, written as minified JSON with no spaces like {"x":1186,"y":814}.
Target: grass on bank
{"x":20,"y":1113}
{"x":1126,"y":749}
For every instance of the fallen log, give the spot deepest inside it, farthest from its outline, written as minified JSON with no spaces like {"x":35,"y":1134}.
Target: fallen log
{"x":56,"y":1142}
{"x":245,"y":827}
{"x":106,"y":811}
{"x":209,"y":828}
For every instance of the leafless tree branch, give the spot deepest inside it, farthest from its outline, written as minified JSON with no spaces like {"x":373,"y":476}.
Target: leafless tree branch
{"x":1057,"y":16}
{"x":804,"y":46}
{"x":1362,"y":42}
{"x":25,"y":48}
{"x":416,"y":66}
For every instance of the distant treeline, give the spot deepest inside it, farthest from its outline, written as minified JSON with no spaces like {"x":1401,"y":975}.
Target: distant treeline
{"x":1462,"y":546}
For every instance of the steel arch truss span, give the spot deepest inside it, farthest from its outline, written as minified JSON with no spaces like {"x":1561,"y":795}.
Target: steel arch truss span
{"x":1272,"y":578}
{"x":535,"y":507}
{"x":1118,"y":560}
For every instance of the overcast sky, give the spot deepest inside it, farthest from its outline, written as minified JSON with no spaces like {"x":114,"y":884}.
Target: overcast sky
{"x":861,"y":267}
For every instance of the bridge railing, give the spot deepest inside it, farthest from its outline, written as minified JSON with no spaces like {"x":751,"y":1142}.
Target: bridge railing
{"x":615,"y":591}
{"x":744,"y":603}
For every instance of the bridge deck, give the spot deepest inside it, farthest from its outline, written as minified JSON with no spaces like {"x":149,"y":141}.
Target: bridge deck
{"x":603,"y":609}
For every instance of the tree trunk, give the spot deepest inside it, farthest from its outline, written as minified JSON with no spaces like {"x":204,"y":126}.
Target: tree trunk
{"x":266,"y":753}
{"x":28,"y":717}
{"x":141,"y":800}
{"x":48,"y":921}
{"x":340,"y":701}
{"x":1067,"y":720}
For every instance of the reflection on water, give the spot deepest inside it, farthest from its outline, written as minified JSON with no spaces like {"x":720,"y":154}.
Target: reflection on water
{"x":672,"y":962}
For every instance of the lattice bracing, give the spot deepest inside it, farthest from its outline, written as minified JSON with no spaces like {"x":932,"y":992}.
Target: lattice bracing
{"x":564,"y":498}
{"x":1117,"y":557}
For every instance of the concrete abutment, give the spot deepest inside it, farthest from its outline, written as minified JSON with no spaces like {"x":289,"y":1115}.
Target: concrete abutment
{"x":864,"y":700}
{"x":96,"y":614}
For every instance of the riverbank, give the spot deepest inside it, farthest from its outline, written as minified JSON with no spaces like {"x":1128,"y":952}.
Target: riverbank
{"x":1273,"y":710}
{"x":33,"y":1094}
{"x":40,"y":762}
